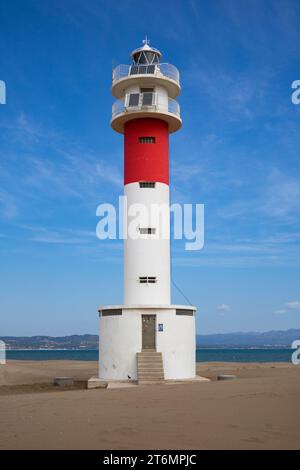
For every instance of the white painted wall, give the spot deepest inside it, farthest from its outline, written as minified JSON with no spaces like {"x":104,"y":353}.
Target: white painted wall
{"x":147,"y":255}
{"x":119,"y":341}
{"x":177,"y":342}
{"x":162,"y":99}
{"x":121,"y":338}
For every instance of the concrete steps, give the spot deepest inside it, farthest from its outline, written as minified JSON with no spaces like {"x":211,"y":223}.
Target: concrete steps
{"x":150,"y":369}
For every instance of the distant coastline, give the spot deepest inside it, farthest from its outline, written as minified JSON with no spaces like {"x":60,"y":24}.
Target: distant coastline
{"x":238,"y":340}
{"x":247,"y":355}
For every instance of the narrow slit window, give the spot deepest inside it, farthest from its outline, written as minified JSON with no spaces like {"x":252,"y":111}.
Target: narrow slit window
{"x":147,"y":230}
{"x":110,"y":312}
{"x":186,"y":312}
{"x":147,"y":280}
{"x":147,"y":184}
{"x":147,"y":140}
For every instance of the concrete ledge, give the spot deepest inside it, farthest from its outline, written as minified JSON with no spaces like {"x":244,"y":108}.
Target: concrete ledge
{"x":95,"y":382}
{"x":150,"y":306}
{"x":196,"y":379}
{"x":226,"y":377}
{"x":63,"y":381}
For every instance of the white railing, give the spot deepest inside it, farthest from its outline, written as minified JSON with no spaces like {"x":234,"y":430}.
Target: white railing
{"x":142,"y":102}
{"x":158,"y":70}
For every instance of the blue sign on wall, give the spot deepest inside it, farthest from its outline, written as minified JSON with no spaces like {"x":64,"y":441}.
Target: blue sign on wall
{"x":160,"y":327}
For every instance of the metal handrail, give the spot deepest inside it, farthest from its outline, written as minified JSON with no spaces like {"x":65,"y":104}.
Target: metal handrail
{"x":158,"y":70}
{"x":122,"y":106}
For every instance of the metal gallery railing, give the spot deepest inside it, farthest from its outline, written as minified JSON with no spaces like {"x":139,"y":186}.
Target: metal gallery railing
{"x":159,"y":70}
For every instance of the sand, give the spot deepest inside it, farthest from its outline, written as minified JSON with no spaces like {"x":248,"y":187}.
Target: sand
{"x":258,"y":410}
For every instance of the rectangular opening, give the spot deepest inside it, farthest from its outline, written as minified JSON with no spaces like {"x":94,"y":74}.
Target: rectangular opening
{"x":146,"y":90}
{"x":133,"y":99}
{"x":147,"y":98}
{"x":113,"y":311}
{"x":186,"y":312}
{"x":147,"y":140}
{"x":147,"y":230}
{"x":147,"y":184}
{"x":148,"y":332}
{"x":147,"y":279}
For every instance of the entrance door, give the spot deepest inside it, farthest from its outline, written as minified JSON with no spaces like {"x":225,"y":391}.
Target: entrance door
{"x":148,"y":332}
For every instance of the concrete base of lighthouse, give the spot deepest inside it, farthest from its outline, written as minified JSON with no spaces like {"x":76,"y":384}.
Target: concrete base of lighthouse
{"x":121,"y":338}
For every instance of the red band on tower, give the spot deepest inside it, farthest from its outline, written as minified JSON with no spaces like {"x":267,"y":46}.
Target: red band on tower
{"x":146,"y":161}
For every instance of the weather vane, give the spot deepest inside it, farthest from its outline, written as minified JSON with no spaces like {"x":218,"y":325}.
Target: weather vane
{"x":146,"y":41}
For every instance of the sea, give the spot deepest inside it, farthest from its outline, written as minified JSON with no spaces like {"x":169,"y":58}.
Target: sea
{"x":202,"y":355}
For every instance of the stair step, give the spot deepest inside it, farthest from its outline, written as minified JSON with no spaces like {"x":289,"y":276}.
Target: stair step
{"x":148,"y":354}
{"x":151,"y":379}
{"x":151,"y":382}
{"x":149,"y":358}
{"x":149,"y":364}
{"x":150,"y":367}
{"x":151,"y":373}
{"x":150,"y":376}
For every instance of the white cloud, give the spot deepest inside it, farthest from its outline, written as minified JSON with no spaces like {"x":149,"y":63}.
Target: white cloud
{"x":295,"y":305}
{"x":224,"y":308}
{"x":279,"y":312}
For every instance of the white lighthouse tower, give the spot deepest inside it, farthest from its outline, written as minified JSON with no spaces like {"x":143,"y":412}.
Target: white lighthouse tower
{"x":146,"y":339}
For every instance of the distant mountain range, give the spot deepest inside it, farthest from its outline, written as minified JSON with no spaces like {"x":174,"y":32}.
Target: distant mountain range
{"x":51,"y":342}
{"x":229,"y":340}
{"x":250,"y":339}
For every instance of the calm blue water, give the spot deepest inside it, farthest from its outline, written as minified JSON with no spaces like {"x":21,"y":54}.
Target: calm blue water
{"x":202,"y":355}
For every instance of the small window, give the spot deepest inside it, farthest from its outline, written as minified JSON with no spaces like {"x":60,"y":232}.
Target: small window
{"x":147,"y":184}
{"x":147,"y":280}
{"x":146,"y":90}
{"x":147,"y":140}
{"x":134,"y":99}
{"x":147,"y":231}
{"x":147,"y":98}
{"x":110,"y":312}
{"x":186,"y":312}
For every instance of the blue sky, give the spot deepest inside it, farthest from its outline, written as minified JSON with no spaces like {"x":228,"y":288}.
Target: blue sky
{"x":237,"y":152}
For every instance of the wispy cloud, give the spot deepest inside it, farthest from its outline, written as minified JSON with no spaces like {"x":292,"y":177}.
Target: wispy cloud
{"x":294,"y":305}
{"x":279,"y":312}
{"x":222,"y":308}
{"x":289,"y":306}
{"x":8,"y":207}
{"x":277,"y":199}
{"x":54,"y":166}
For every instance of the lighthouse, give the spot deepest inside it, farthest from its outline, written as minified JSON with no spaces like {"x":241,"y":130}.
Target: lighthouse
{"x":146,"y":339}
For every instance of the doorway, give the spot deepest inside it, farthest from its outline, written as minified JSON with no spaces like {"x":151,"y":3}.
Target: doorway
{"x":148,"y":332}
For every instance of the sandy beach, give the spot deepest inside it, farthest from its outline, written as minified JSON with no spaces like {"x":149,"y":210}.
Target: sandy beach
{"x":258,"y":410}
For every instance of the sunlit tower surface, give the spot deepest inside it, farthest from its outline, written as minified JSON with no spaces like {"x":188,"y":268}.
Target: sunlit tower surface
{"x":147,"y":339}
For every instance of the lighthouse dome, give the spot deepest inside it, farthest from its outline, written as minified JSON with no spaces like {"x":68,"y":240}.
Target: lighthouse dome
{"x":145,"y":55}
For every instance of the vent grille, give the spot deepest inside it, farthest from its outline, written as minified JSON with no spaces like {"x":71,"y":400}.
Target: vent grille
{"x":186,"y":312}
{"x":147,"y":184}
{"x":147,"y":280}
{"x":147,"y":140}
{"x":147,"y":231}
{"x":113,"y":311}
